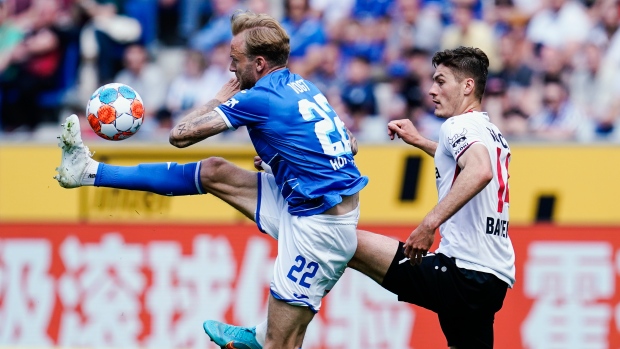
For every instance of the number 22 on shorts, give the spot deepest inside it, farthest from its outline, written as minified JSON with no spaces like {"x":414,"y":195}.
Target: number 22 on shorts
{"x":297,"y":274}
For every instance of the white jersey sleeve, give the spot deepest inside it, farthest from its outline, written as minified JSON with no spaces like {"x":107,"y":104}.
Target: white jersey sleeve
{"x":477,"y":235}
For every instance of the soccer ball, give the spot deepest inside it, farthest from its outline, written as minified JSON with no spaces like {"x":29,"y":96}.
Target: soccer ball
{"x":115,"y":111}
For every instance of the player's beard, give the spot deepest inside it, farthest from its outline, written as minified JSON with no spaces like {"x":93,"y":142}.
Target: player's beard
{"x":246,"y":79}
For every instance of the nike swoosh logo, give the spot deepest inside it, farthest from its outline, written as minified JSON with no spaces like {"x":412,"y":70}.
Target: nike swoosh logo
{"x":300,"y":296}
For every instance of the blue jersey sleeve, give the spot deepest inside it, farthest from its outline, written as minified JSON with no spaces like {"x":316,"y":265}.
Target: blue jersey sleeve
{"x":246,"y":108}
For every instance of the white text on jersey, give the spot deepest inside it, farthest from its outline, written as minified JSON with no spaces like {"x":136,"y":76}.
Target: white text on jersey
{"x":231,"y":103}
{"x":339,"y":162}
{"x":299,"y":86}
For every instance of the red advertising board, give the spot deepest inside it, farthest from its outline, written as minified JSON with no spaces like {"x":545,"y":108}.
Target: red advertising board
{"x":129,"y":286}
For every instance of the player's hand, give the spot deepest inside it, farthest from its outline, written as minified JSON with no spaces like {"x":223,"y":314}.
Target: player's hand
{"x":404,"y":130}
{"x":228,"y":90}
{"x":418,"y":244}
{"x":353,"y":142}
{"x":258,"y":162}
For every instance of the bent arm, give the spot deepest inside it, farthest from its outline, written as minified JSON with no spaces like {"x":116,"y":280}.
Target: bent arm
{"x":203,"y":122}
{"x":199,"y":124}
{"x":476,"y":173}
{"x":405,"y":130}
{"x":426,"y":145}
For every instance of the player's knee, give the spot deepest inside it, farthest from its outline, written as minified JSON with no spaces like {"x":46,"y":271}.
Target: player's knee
{"x":212,"y":170}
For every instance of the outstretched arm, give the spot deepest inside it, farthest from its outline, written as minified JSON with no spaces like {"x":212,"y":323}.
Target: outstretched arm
{"x":405,"y":130}
{"x":203,"y":122}
{"x":476,"y":173}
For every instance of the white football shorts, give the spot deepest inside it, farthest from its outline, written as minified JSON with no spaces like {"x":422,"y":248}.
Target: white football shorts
{"x":313,"y":251}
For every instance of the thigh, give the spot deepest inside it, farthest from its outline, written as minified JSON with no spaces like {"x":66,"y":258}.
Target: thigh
{"x":427,"y":284}
{"x":374,"y":254}
{"x":286,"y":325}
{"x":468,"y":331}
{"x":271,"y":206}
{"x":230,"y":183}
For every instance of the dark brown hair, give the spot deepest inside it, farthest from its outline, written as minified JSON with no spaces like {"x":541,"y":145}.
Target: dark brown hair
{"x":466,"y":62}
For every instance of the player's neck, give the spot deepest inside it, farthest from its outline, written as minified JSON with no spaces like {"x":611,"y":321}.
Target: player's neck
{"x":271,"y":70}
{"x":470,"y":106}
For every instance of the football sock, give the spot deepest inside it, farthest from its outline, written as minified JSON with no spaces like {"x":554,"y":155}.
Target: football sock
{"x":261,"y":333}
{"x":169,"y":178}
{"x":89,"y":175}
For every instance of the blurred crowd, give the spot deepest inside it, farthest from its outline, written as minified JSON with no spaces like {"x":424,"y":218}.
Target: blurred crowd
{"x":553,"y":74}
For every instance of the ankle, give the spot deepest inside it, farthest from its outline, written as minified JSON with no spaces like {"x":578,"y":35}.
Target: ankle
{"x":90,"y":173}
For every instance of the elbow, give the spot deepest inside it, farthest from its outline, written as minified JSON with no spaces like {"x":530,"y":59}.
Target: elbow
{"x":177,"y":142}
{"x":486,"y":176}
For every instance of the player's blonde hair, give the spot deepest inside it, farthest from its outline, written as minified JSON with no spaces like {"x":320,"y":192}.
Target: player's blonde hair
{"x":264,"y":36}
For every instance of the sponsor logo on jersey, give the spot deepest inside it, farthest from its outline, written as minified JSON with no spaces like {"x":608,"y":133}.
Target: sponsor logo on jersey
{"x":459,"y":142}
{"x":458,"y":139}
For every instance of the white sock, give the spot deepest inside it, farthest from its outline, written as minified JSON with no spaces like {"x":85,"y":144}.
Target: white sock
{"x":261,"y":333}
{"x":88,"y":177}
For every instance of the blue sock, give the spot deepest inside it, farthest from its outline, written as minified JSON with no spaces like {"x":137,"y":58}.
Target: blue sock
{"x":170,"y":178}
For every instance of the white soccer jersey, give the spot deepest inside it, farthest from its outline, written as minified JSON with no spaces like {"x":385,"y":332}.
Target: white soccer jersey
{"x":477,"y":235}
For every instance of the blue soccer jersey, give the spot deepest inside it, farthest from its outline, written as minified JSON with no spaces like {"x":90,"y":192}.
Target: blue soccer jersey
{"x":297,"y":133}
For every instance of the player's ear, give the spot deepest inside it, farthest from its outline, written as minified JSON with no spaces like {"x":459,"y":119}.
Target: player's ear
{"x":469,"y":86}
{"x":261,"y":64}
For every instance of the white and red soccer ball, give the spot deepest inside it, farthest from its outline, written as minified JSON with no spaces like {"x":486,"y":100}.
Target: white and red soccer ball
{"x":115,"y":111}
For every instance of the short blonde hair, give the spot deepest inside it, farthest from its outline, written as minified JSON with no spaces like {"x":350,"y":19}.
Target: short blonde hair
{"x":264,"y":36}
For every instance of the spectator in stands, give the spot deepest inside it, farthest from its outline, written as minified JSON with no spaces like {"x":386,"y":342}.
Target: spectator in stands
{"x":607,"y":12}
{"x":553,"y":63}
{"x":260,"y":6}
{"x":35,"y":62}
{"x":419,"y":68}
{"x":413,"y":26}
{"x":145,"y":77}
{"x":391,"y":103}
{"x":304,"y":30}
{"x":186,"y":90}
{"x":358,"y":92}
{"x":217,"y":72}
{"x":593,"y":90}
{"x":561,"y":24}
{"x":364,"y":38}
{"x":511,"y":95}
{"x":505,"y":17}
{"x":371,"y":9}
{"x":112,"y":32}
{"x":199,"y":82}
{"x":423,"y":117}
{"x":191,"y":15}
{"x":10,"y":38}
{"x":327,"y":69}
{"x":180,"y":19}
{"x":217,"y":29}
{"x":468,"y":31}
{"x":559,"y":119}
{"x":332,"y":14}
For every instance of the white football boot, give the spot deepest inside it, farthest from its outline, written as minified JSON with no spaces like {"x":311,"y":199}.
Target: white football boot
{"x":75,"y":155}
